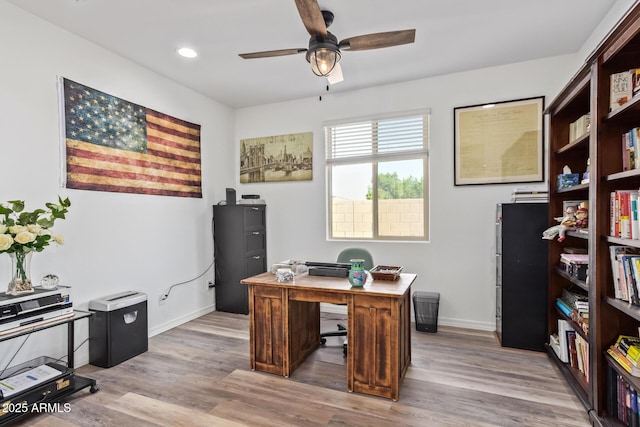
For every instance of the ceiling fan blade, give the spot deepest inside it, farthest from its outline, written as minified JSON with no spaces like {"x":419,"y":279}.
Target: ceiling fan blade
{"x":336,"y":75}
{"x":379,"y":40}
{"x":312,"y":19}
{"x":270,"y":53}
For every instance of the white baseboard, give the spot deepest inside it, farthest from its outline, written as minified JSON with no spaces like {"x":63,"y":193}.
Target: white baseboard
{"x":180,"y":320}
{"x":468,"y":324}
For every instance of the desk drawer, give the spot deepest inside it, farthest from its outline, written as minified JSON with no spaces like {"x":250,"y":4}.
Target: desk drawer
{"x":311,"y":295}
{"x":255,"y":242}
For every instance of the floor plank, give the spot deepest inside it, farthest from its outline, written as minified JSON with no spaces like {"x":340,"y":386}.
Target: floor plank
{"x":198,"y":374}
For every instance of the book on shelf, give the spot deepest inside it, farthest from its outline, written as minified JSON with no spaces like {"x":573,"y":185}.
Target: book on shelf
{"x":635,"y":81}
{"x":624,"y":214}
{"x":635,"y":219}
{"x":630,"y":347}
{"x":628,"y":263}
{"x":621,"y":89}
{"x":630,"y":150}
{"x":575,"y":265}
{"x":573,"y":350}
{"x":622,"y":399}
{"x":617,"y":355}
{"x":564,"y":307}
{"x":563,"y":345}
{"x":577,"y":300}
{"x":575,"y":296}
{"x":580,"y":127}
{"x":583,"y":353}
{"x":616,"y":252}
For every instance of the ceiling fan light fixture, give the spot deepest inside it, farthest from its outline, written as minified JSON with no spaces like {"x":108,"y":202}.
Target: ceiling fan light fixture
{"x":323,"y":61}
{"x":323,"y":54}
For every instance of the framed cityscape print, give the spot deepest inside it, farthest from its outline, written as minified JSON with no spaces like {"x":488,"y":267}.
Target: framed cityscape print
{"x":277,"y":158}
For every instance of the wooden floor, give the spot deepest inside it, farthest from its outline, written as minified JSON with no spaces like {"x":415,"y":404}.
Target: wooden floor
{"x":198,"y":375}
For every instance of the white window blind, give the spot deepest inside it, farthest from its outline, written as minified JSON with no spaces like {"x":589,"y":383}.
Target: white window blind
{"x":383,"y":139}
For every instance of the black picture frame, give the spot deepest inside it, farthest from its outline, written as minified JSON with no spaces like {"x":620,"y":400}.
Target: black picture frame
{"x":499,"y":142}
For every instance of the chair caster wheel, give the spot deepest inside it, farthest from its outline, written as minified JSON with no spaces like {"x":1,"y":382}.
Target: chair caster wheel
{"x":323,"y":341}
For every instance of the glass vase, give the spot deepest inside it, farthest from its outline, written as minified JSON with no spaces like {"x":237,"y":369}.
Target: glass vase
{"x":20,"y":274}
{"x":357,"y":273}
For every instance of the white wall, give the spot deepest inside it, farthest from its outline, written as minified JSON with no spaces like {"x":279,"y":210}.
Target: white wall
{"x":459,"y":260}
{"x":114,"y":242}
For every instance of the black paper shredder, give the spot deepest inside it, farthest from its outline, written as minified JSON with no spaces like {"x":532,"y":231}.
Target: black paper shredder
{"x":118,"y":328}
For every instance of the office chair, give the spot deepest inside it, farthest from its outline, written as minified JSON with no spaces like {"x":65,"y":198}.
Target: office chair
{"x":344,"y":257}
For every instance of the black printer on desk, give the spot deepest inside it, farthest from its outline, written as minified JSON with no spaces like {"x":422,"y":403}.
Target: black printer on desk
{"x":328,"y":269}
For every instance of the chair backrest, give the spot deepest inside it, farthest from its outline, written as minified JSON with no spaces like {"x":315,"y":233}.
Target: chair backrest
{"x":355,"y":253}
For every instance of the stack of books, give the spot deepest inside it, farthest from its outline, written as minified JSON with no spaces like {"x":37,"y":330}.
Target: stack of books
{"x":530,"y":195}
{"x":625,"y":267}
{"x":575,"y":265}
{"x":579,"y":128}
{"x":624,"y":86}
{"x":574,"y":303}
{"x":626,"y":351}
{"x":622,"y":398}
{"x":571,"y":348}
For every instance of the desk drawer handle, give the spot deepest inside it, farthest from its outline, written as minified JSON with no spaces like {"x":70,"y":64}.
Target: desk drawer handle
{"x":255,"y":233}
{"x":256,"y":257}
{"x":256,"y":209}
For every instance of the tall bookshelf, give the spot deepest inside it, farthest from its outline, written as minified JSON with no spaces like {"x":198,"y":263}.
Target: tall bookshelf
{"x":588,"y":92}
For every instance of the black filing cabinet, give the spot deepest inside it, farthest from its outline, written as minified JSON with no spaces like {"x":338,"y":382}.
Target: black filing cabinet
{"x":240,"y":250}
{"x":118,"y":329}
{"x":521,"y":275}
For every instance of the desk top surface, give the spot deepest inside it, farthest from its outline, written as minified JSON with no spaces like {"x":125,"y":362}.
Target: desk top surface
{"x":396,"y":288}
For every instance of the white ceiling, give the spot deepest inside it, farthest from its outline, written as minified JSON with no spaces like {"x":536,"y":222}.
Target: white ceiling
{"x":451,"y":36}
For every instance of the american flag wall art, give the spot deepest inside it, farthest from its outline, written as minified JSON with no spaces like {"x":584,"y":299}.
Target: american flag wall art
{"x":118,"y":146}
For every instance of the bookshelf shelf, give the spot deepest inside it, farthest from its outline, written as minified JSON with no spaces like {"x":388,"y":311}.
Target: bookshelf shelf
{"x":579,"y":143}
{"x":625,"y":307}
{"x":635,"y":381}
{"x":575,"y":188}
{"x":577,"y":234}
{"x":623,"y":242}
{"x":588,"y":92}
{"x":633,"y":106}
{"x":580,"y":283}
{"x":633,"y":173}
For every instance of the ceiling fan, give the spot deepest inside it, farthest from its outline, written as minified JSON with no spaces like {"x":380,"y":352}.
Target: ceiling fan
{"x":324,"y":49}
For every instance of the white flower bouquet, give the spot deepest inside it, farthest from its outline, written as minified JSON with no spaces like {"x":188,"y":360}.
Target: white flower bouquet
{"x":22,"y":233}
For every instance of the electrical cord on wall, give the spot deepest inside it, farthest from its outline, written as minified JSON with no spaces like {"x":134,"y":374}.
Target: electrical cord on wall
{"x":165,"y":295}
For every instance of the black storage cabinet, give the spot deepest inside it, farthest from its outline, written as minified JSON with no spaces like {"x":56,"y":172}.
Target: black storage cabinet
{"x":522,"y":275}
{"x":118,"y":329}
{"x":240,"y":250}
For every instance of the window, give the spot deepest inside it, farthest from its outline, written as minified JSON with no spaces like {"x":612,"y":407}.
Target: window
{"x":378,"y":181}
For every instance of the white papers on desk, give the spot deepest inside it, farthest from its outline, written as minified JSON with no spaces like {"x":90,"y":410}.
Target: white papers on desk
{"x":25,"y":380}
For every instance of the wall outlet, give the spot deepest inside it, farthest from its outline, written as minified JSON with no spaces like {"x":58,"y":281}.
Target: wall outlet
{"x":210,"y":284}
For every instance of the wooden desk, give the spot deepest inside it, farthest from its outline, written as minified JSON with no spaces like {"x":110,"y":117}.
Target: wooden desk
{"x":284,"y":321}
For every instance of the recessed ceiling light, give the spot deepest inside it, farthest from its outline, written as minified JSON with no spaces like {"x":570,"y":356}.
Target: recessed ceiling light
{"x":187,"y":52}
{"x":488,"y":105}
